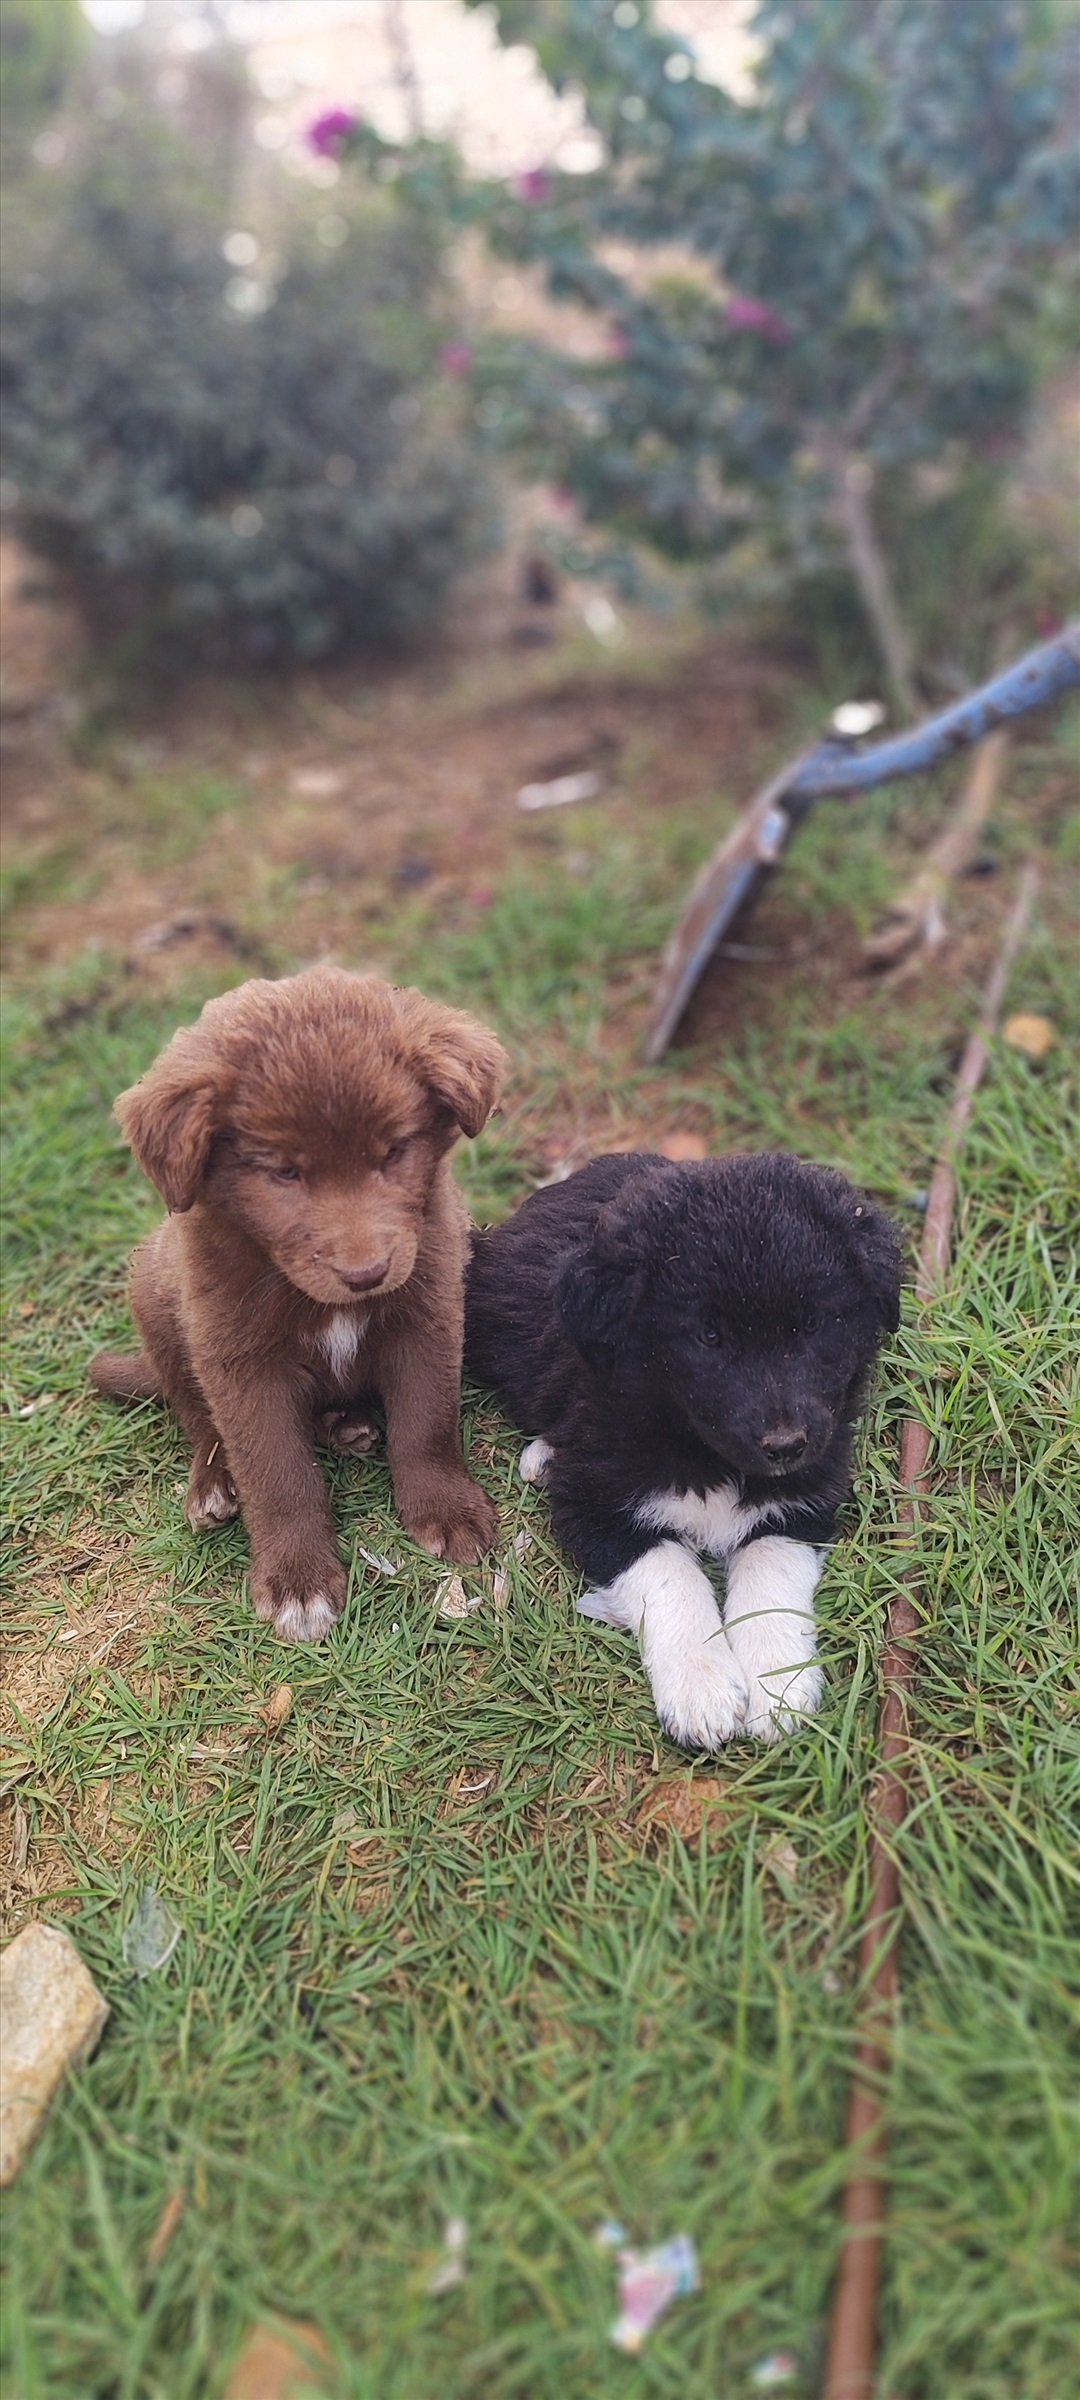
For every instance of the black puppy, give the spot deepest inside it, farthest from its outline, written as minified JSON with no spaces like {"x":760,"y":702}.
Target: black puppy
{"x":691,"y":1345}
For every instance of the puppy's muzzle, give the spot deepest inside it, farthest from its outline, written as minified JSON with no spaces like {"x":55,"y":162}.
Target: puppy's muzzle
{"x":364,"y":1279}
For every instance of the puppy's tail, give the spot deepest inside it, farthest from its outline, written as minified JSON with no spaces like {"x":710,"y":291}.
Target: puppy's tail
{"x":134,"y":1378}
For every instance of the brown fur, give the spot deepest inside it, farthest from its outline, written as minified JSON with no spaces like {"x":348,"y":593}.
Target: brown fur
{"x":300,"y":1133}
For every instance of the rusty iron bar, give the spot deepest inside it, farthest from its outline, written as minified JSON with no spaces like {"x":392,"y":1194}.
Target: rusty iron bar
{"x":849,"y":2372}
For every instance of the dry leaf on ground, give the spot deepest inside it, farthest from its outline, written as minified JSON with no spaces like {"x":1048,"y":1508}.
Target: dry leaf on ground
{"x":681,"y":1803}
{"x":280,"y":2362}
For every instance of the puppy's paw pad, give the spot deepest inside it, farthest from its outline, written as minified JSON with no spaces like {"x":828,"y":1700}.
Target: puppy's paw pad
{"x":535,"y":1460}
{"x":211,"y":1501}
{"x":779,"y":1703}
{"x":703,"y":1704}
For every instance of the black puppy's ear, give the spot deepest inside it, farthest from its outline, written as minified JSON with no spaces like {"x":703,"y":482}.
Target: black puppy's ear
{"x":170,"y":1118}
{"x":596,"y":1296}
{"x":877,"y":1253}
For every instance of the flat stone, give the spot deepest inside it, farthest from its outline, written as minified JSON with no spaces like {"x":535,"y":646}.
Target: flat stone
{"x":51,"y":2017}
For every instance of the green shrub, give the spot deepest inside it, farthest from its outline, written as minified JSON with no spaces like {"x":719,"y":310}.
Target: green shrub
{"x":262,"y":464}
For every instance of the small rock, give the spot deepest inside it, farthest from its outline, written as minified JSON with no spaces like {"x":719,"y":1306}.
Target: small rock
{"x":280,"y":2362}
{"x":51,"y":2017}
{"x":1033,"y":1035}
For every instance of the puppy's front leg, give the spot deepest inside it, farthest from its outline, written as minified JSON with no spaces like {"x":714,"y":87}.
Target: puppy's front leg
{"x":697,"y":1682}
{"x":297,"y":1579}
{"x":769,"y":1620}
{"x":436,"y":1498}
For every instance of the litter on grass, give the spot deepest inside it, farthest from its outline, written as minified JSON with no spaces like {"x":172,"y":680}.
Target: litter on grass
{"x":374,"y":1558}
{"x":152,"y":1934}
{"x":649,"y":2280}
{"x":455,"y":1601}
{"x":780,"y":2366}
{"x":559,"y":793}
{"x":450,"y":2269}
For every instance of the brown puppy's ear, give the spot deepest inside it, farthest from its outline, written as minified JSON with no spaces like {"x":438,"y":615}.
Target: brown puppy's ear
{"x":170,"y":1117}
{"x":459,"y":1059}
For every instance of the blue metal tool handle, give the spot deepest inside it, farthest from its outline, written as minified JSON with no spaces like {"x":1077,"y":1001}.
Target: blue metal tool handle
{"x":1042,"y":675}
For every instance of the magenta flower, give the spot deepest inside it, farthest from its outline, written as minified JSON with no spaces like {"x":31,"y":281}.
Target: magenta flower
{"x":747,"y":315}
{"x":330,"y":132}
{"x":533,"y":186}
{"x":455,"y":358}
{"x":619,"y":343}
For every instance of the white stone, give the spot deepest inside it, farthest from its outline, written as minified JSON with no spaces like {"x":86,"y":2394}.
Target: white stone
{"x":51,"y":2017}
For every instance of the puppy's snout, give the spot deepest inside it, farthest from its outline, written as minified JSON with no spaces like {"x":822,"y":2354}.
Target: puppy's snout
{"x":365,"y":1279}
{"x":784,"y":1445}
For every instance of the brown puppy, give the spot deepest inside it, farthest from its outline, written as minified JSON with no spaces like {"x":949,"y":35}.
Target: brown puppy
{"x":299,"y":1133}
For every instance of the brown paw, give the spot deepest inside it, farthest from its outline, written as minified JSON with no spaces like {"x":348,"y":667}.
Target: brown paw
{"x":349,"y":1431}
{"x":301,"y":1600}
{"x":461,"y":1523}
{"x":211,"y":1494}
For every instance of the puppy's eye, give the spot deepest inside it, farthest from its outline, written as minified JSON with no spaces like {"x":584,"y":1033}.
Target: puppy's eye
{"x":396,"y":1151}
{"x":710,"y":1337}
{"x":285,"y":1174}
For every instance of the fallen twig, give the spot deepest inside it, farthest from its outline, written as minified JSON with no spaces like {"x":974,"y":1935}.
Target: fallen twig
{"x":853,"y":2338}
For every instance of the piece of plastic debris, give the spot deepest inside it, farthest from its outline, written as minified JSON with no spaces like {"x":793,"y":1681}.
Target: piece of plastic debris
{"x":1033,"y":1035}
{"x":649,"y":2280}
{"x":30,"y":1407}
{"x":782,"y":1861}
{"x":522,"y":1542}
{"x":455,"y":1601}
{"x":559,"y":793}
{"x":278,"y":1708}
{"x":51,"y":2017}
{"x":151,"y":1935}
{"x":450,"y":2269}
{"x":603,"y":621}
{"x":779,"y":2366}
{"x":853,"y":718}
{"x":316,"y":783}
{"x":285,"y":2361}
{"x":500,"y":1589}
{"x":374,"y":1558}
{"x":610,"y":2235}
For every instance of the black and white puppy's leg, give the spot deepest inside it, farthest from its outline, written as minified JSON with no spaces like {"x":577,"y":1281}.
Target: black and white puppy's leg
{"x":698,"y":1684}
{"x":769,"y":1622}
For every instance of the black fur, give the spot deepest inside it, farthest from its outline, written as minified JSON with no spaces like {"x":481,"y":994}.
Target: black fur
{"x":659,"y":1324}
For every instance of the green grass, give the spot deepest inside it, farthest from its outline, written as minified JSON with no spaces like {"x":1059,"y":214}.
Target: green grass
{"x":398,"y":1998}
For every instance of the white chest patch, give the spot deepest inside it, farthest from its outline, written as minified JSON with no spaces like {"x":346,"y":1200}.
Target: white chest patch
{"x":340,"y":1340}
{"x":715,"y":1523}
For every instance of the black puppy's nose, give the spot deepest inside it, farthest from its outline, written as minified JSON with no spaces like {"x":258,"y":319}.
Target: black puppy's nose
{"x":364,"y":1279}
{"x":784,"y":1445}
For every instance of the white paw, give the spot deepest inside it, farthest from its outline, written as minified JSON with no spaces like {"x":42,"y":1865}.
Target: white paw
{"x":780,"y":1702}
{"x":700,"y":1695}
{"x":535,"y":1460}
{"x":304,"y":1619}
{"x":213,"y":1504}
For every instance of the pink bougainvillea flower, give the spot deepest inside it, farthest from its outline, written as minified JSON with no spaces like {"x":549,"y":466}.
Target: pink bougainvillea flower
{"x":619,"y":343}
{"x":533,"y":186}
{"x":747,"y":315}
{"x":455,"y":358}
{"x":330,"y":132}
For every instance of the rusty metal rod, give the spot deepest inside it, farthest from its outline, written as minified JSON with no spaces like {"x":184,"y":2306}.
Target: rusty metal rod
{"x":849,"y":2373}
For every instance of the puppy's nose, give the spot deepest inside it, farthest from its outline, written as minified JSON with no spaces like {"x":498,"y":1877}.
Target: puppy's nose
{"x":784,"y":1444}
{"x":364,"y":1279}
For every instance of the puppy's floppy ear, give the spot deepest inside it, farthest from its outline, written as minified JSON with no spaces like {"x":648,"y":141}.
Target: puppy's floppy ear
{"x":170,"y":1118}
{"x":458,"y":1059}
{"x":877,"y":1256}
{"x":596,"y":1295}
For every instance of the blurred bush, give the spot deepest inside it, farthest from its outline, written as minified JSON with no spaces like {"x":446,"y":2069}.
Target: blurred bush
{"x":40,"y":43}
{"x":253,"y":461}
